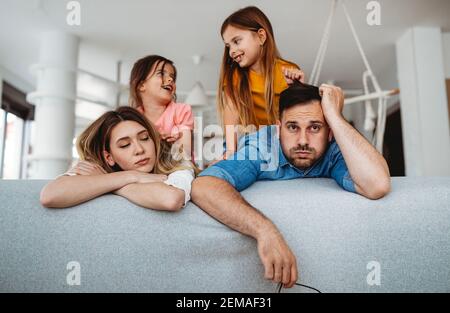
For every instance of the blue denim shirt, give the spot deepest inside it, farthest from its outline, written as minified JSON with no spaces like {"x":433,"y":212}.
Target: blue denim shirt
{"x":260,"y":157}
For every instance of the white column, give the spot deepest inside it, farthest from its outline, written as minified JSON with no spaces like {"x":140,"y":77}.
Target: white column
{"x":55,"y":104}
{"x":423,"y":101}
{"x":446,"y":45}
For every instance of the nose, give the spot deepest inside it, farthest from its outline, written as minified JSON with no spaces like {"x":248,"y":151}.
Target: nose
{"x":168,"y":80}
{"x":303,"y":137}
{"x":139,"y":148}
{"x":232,"y":51}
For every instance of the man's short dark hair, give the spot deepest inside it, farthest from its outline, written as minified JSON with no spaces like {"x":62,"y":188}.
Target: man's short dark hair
{"x":298,"y":93}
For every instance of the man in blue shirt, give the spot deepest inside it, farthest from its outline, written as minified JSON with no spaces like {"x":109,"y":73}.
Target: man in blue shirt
{"x":311,"y":139}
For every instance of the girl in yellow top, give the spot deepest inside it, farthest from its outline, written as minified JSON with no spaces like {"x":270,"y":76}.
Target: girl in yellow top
{"x":252,"y":75}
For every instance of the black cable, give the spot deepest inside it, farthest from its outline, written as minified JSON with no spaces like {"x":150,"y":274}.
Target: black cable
{"x":280,"y":286}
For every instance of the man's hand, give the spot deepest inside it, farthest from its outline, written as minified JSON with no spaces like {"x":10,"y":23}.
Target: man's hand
{"x":86,"y":168}
{"x":279,"y":262}
{"x":292,"y":74}
{"x":220,"y":200}
{"x":332,"y":100}
{"x":367,"y":167}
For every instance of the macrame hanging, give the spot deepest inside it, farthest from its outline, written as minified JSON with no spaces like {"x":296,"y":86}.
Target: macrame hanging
{"x":374,"y":122}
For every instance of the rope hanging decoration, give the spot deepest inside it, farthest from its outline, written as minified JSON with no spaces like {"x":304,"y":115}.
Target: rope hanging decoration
{"x":382,"y":96}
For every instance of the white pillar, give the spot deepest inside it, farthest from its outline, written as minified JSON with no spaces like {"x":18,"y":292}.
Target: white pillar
{"x":423,"y":101}
{"x":55,"y":104}
{"x":446,"y":45}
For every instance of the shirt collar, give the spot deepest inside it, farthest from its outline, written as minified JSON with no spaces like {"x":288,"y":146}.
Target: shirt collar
{"x":282,"y":159}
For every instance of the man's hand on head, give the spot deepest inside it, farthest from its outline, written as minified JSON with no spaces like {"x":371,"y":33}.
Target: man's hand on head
{"x":332,"y":100}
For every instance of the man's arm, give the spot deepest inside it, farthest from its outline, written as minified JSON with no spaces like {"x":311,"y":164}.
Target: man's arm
{"x":220,"y":200}
{"x":368,"y":169}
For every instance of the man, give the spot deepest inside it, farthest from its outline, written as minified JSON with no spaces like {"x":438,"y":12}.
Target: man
{"x":314,"y":141}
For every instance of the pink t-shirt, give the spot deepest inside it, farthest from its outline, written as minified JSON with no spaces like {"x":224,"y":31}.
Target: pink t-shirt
{"x":176,"y":118}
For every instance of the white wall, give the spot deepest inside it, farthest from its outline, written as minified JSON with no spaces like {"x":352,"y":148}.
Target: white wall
{"x":102,"y":62}
{"x":15,"y":80}
{"x":423,"y":102}
{"x":446,"y":52}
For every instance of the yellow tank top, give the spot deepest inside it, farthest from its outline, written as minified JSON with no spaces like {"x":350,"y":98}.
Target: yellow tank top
{"x":257,"y":90}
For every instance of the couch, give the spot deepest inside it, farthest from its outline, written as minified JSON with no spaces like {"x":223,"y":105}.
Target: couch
{"x":343,"y":241}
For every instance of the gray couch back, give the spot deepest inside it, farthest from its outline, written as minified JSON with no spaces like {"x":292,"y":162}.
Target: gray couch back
{"x":343,"y":242}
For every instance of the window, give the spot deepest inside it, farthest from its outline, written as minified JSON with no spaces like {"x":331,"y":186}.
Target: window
{"x":13,"y":147}
{"x":3,"y":116}
{"x":15,"y":117}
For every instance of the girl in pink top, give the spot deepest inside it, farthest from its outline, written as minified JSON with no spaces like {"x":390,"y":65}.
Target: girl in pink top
{"x":152,"y":92}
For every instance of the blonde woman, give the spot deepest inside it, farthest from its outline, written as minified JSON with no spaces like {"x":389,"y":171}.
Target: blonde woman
{"x":121,"y":153}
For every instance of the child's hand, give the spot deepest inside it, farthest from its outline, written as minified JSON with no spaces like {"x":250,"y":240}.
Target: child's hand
{"x":141,"y":109}
{"x":86,"y":168}
{"x":171,"y":137}
{"x":291,"y":74}
{"x":214,"y":162}
{"x":225,"y":156}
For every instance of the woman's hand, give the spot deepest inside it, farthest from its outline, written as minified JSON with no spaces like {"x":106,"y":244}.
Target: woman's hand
{"x":292,"y":74}
{"x":142,"y":178}
{"x":86,"y":168}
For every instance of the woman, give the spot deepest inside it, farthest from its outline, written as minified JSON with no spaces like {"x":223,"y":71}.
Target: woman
{"x":121,"y":153}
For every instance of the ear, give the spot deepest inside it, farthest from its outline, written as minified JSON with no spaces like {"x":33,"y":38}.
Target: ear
{"x":278,"y":127}
{"x":109,"y":158}
{"x":262,"y":35}
{"x":141,"y":87}
{"x":330,"y":135}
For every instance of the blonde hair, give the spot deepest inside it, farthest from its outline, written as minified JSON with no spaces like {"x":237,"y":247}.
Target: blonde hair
{"x":96,"y":138}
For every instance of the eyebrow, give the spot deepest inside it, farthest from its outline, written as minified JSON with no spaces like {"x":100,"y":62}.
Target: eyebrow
{"x":310,"y":122}
{"x":128,"y":137}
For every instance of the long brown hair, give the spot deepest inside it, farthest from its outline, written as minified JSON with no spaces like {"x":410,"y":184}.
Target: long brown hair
{"x":96,"y":138}
{"x":249,"y":18}
{"x":139,"y":73}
